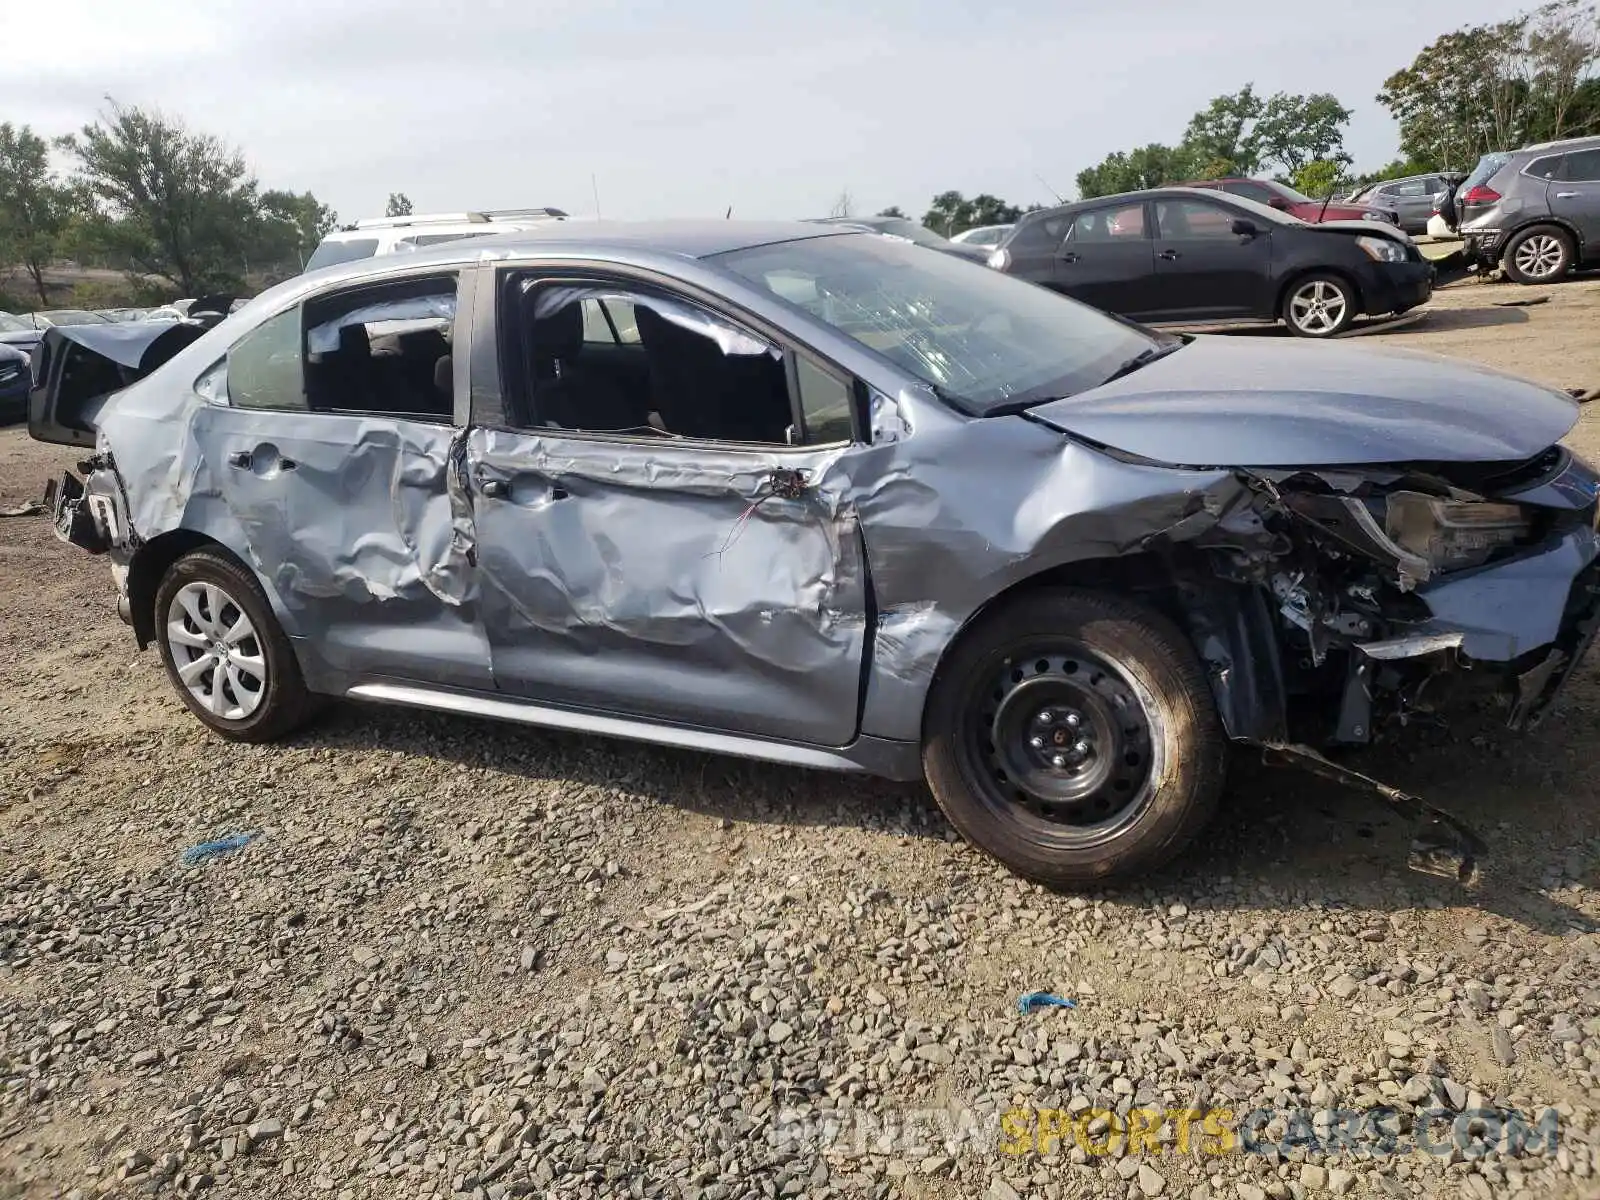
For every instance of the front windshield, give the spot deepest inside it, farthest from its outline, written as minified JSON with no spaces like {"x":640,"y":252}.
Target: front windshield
{"x":1265,"y":211}
{"x":910,"y":230}
{"x":11,"y":324}
{"x":985,"y":341}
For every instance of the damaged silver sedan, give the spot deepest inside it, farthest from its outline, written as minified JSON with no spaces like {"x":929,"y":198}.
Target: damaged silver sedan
{"x":819,"y":497}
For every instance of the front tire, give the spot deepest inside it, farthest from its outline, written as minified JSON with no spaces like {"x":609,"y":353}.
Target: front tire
{"x":1073,"y":736}
{"x":1542,"y":254}
{"x":1319,"y":306}
{"x":225,"y":652}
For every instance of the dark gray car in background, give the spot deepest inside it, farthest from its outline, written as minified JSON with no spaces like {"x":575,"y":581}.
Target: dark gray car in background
{"x":1534,"y":212}
{"x":834,"y":500}
{"x":1411,"y":198}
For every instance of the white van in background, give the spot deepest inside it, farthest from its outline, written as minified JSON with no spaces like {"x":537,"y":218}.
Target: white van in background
{"x":399,"y":235}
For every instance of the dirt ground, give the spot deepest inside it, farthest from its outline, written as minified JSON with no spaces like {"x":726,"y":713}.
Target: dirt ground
{"x":447,"y":927}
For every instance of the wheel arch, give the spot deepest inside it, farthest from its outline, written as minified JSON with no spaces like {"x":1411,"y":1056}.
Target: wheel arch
{"x":150,"y":564}
{"x":1300,"y":274}
{"x":1553,"y":222}
{"x":1229,"y":625}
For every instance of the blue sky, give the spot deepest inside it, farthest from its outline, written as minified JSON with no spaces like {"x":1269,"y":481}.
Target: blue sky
{"x":686,"y":108}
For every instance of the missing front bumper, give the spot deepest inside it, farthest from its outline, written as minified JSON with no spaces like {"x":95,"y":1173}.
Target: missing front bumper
{"x":1441,"y":845}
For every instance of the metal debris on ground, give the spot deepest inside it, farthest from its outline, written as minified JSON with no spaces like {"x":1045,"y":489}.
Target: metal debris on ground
{"x":26,"y":509}
{"x":1034,"y":1001}
{"x":206,"y":851}
{"x":1584,"y":395}
{"x":1528,"y":303}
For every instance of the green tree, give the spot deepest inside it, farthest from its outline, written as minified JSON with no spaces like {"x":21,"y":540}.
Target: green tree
{"x":1147,"y":167}
{"x":893,"y":211}
{"x":1295,"y":132}
{"x":1319,"y":177}
{"x":173,"y":203}
{"x":1220,"y":137}
{"x":292,"y":226}
{"x":951,"y":213}
{"x":1492,"y":87}
{"x":36,"y":207}
{"x":399,"y":205}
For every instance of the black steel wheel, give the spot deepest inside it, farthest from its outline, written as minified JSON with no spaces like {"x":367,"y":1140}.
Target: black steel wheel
{"x":1073,"y":736}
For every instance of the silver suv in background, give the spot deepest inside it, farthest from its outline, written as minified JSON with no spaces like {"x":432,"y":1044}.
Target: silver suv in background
{"x":1535,"y":212}
{"x":372,"y":237}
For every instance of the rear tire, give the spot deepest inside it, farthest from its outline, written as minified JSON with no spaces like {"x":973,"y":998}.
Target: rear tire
{"x":1073,"y":736}
{"x":1319,"y":306}
{"x":1542,"y":254}
{"x":225,"y":652}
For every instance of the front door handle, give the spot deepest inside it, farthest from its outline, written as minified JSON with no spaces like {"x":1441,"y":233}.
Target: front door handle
{"x":1169,"y":255}
{"x":1069,"y":257}
{"x":1566,"y":195}
{"x":495,"y":489}
{"x":244,"y":460}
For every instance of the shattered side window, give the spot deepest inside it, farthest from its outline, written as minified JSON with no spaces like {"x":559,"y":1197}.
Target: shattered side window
{"x":264,"y":366}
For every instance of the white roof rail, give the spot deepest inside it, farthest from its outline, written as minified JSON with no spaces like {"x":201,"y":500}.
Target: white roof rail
{"x":496,"y":214}
{"x":460,"y":218}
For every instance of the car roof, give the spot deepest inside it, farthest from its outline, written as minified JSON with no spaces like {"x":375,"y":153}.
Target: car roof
{"x":601,"y":239}
{"x":1587,"y":142}
{"x":1177,"y":191}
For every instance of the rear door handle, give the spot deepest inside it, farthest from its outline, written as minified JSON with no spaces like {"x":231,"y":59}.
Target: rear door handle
{"x":1169,"y":255}
{"x":1069,"y":258}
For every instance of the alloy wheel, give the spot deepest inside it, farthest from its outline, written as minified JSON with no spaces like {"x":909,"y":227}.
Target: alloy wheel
{"x":1063,"y":739}
{"x":1539,"y":256}
{"x":216,"y":652}
{"x":1318,"y":306}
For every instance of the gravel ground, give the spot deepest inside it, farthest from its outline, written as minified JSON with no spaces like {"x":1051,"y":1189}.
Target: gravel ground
{"x":461,"y":958}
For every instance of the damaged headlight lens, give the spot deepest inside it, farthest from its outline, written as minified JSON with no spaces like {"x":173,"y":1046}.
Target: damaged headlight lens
{"x":1382,"y":249}
{"x":1452,"y":534}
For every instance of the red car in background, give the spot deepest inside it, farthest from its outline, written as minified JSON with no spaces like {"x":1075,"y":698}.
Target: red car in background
{"x":1282,"y":196}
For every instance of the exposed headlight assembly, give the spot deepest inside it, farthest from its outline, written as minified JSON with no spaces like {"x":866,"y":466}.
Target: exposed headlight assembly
{"x":1000,"y":259}
{"x":1451,"y":534}
{"x":1382,"y":249}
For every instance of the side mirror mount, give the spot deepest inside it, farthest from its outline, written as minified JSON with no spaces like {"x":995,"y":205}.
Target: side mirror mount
{"x":1278,"y":202}
{"x":1244,"y":227}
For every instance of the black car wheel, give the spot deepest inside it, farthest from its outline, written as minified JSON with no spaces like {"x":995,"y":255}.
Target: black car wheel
{"x":1538,"y":255}
{"x":1074,"y":737}
{"x":1319,"y":306}
{"x":226,"y":653}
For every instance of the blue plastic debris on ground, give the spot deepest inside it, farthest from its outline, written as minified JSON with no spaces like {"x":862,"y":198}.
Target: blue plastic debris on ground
{"x":1033,"y":1001}
{"x":206,"y":851}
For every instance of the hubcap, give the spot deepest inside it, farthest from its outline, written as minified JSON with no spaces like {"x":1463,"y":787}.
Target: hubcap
{"x":1539,"y":256}
{"x":1318,"y":307}
{"x":1063,"y":736}
{"x":216,"y":651}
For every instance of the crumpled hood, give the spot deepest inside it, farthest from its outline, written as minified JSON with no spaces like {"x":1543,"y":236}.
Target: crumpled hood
{"x":1270,"y":402}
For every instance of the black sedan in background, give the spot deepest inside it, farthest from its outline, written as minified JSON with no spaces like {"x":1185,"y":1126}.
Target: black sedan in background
{"x":1187,"y":256}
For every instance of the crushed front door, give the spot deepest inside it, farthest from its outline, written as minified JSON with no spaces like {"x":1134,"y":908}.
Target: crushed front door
{"x":721,"y":587}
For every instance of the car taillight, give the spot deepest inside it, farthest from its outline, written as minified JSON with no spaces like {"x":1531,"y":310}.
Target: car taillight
{"x":1480,"y":195}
